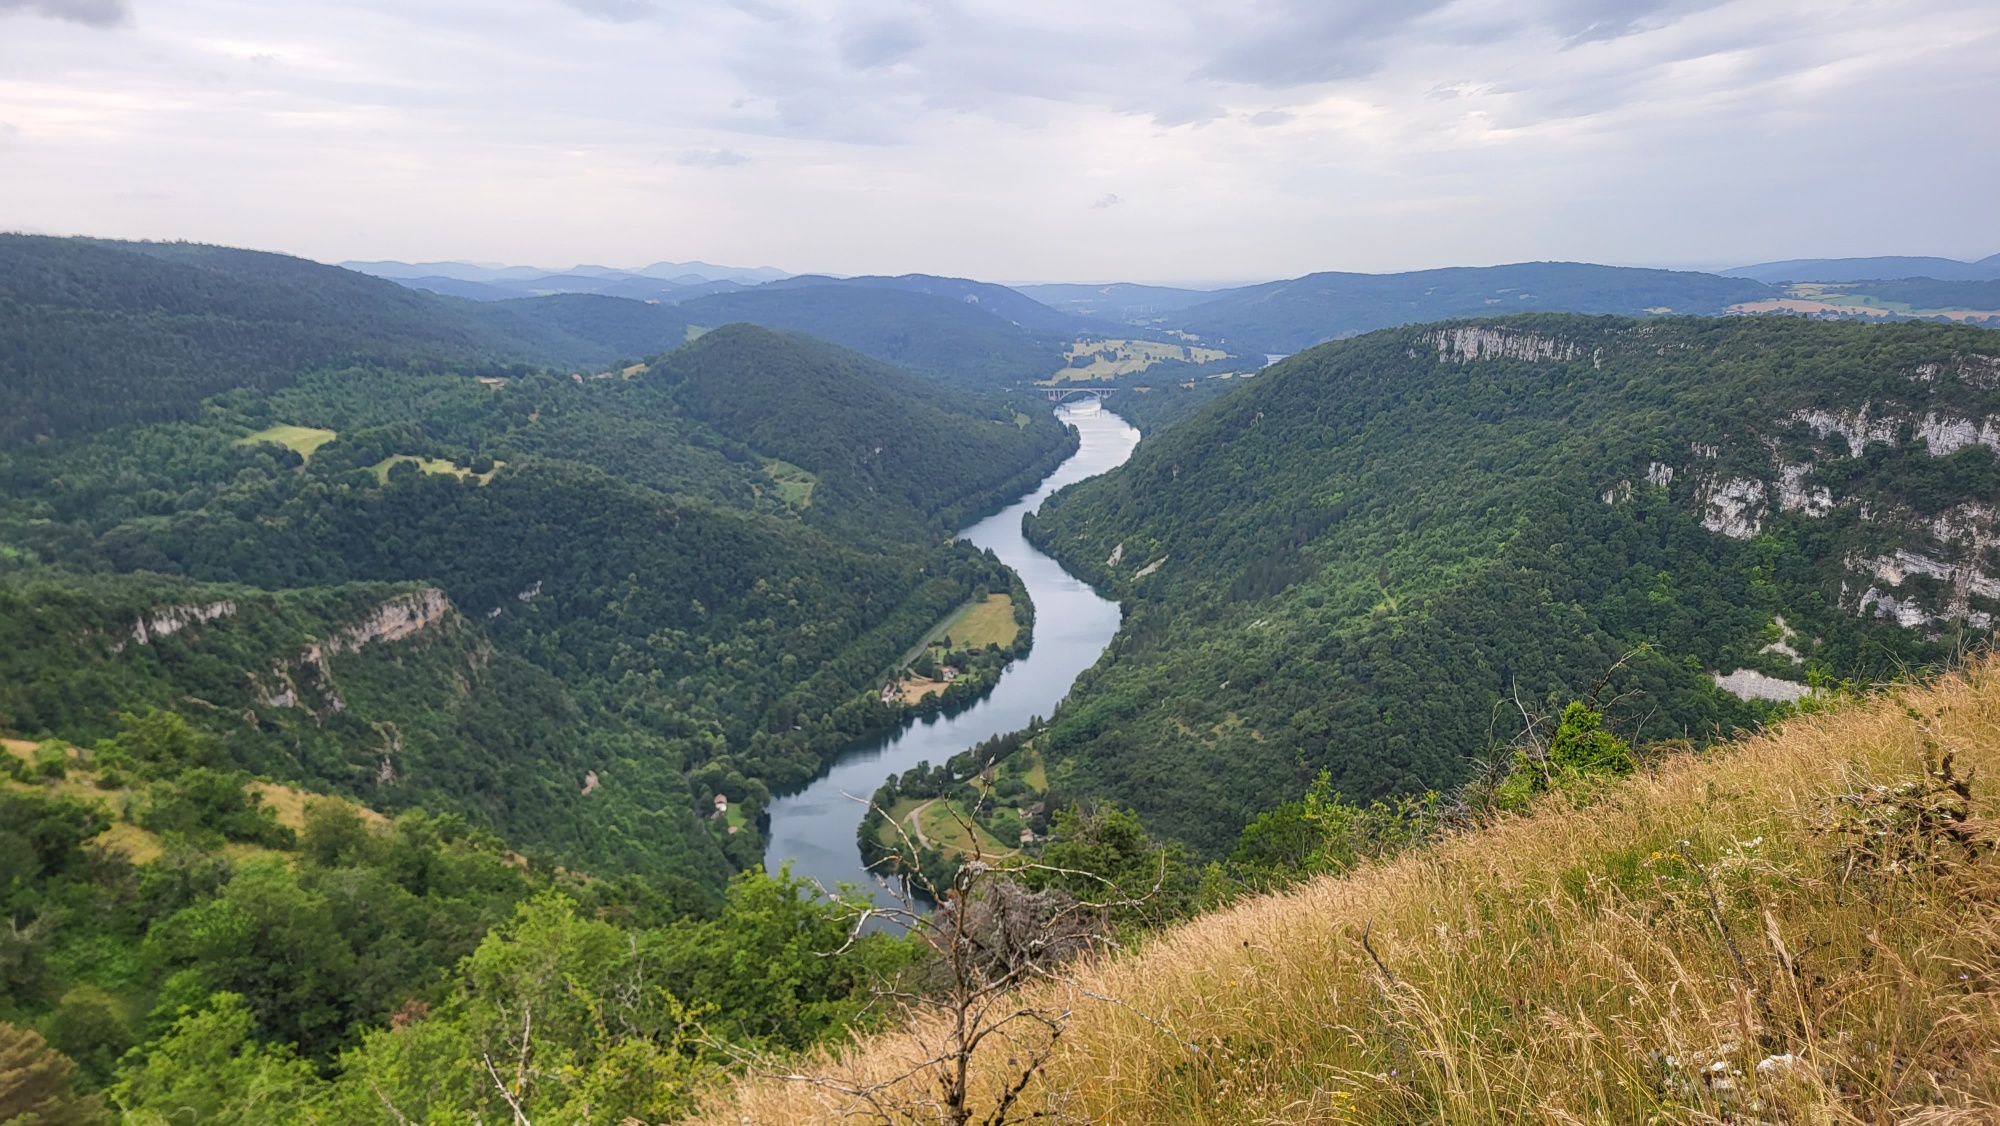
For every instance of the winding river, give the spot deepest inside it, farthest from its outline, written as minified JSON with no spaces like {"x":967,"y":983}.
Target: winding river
{"x":813,"y":830}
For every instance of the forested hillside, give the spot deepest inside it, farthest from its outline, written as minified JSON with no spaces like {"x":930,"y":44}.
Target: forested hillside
{"x":95,"y":333}
{"x":1377,"y":555}
{"x":643,"y":589}
{"x":1286,"y":316}
{"x":944,"y":337}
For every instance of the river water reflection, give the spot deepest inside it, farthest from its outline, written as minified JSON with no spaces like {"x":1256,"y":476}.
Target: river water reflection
{"x":813,"y":830}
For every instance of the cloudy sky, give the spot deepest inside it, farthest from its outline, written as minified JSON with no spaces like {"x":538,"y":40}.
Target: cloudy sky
{"x":1163,"y":140}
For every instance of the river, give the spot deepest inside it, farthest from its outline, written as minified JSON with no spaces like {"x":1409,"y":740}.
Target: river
{"x":814,"y":830}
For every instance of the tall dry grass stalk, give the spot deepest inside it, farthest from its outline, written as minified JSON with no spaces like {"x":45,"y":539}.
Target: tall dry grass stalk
{"x":1695,"y":944}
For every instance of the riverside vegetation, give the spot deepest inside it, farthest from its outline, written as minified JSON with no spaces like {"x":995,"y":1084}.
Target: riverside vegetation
{"x":370,"y":685}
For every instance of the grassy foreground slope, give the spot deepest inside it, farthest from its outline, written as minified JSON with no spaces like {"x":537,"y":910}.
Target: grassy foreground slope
{"x":1780,"y":930}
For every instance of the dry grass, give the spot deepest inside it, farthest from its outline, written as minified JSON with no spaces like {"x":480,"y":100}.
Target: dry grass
{"x":1568,"y":967}
{"x":138,"y":845}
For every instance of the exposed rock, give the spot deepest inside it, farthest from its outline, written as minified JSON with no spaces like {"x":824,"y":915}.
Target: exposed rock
{"x":164,"y":620}
{"x":1150,"y":567}
{"x":1464,"y":345}
{"x":1658,"y":473}
{"x":1621,"y":491}
{"x":1946,"y":435}
{"x":1794,"y":496}
{"x":1734,"y":508}
{"x":1749,"y":684}
{"x":394,"y":620}
{"x":1854,"y":425}
{"x":1117,"y":555}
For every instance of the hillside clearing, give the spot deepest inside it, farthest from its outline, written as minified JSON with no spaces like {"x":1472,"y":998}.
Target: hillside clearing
{"x":431,"y":465}
{"x":1726,"y":937}
{"x":138,"y":845}
{"x":1109,"y":359}
{"x":301,"y":440}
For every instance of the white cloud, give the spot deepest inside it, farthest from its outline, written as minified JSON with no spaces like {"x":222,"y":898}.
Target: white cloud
{"x":1270,"y":136}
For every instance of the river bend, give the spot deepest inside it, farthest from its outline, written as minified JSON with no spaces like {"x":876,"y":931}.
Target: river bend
{"x":814,"y":830}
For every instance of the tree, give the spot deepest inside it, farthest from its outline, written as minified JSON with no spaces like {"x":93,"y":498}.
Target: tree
{"x":210,"y":1069}
{"x":1582,"y":745}
{"x":35,"y":1084}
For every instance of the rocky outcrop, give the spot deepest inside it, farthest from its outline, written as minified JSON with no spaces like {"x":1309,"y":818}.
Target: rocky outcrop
{"x":1794,"y":495}
{"x":164,"y":620}
{"x":401,"y":617}
{"x":1855,"y":426}
{"x":1465,"y":345}
{"x":1734,"y":508}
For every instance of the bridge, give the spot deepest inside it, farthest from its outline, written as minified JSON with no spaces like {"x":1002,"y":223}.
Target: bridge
{"x":1064,"y":394}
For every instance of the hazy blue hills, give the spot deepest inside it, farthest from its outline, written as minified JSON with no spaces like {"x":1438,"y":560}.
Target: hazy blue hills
{"x":1286,"y":316}
{"x":1120,"y":301}
{"x":1869,"y":269}
{"x":98,"y":333}
{"x":1001,"y":301}
{"x":941,"y":336}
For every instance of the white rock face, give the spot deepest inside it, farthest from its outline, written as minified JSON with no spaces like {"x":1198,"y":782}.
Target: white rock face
{"x":394,"y":620}
{"x":1749,"y":684}
{"x":1734,"y":508}
{"x":1117,"y":556}
{"x":1621,"y":491}
{"x":166,"y":620}
{"x":1150,"y":567}
{"x":1946,"y":435}
{"x":1794,"y":496}
{"x":1464,"y":345}
{"x":1659,"y":474}
{"x":1854,"y":425}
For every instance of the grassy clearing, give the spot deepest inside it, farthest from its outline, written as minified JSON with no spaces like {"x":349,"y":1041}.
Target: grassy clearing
{"x":1113,"y":358}
{"x":80,"y":783}
{"x":301,"y":440}
{"x":432,"y":465}
{"x":794,"y":485}
{"x":1697,"y":945}
{"x":983,"y":623}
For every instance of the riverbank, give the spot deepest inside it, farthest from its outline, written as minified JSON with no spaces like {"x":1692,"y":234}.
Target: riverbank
{"x":813,"y":831}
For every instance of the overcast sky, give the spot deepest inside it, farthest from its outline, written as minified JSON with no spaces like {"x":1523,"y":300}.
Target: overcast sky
{"x":1011,"y":139}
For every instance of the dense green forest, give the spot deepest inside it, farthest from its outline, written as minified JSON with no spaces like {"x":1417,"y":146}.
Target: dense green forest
{"x":651,"y":587}
{"x":1373,"y":557}
{"x":1286,"y":316}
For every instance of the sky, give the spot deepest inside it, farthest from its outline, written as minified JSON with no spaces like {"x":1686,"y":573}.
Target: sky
{"x":1192,"y":141}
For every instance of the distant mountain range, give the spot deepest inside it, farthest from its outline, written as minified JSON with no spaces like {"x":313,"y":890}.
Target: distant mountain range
{"x":1869,"y":269}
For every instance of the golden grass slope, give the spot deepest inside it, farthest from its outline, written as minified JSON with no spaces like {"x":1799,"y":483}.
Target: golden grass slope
{"x":1570,"y":966}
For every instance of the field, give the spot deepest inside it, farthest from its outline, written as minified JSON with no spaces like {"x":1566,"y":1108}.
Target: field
{"x":1800,"y":927}
{"x":432,"y":465}
{"x":1113,"y":358}
{"x":794,"y":485}
{"x":302,"y":440}
{"x":985,"y":623}
{"x":1834,"y":299}
{"x":941,"y":825}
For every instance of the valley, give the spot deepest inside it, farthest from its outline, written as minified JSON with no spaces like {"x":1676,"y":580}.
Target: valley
{"x":377,"y":665}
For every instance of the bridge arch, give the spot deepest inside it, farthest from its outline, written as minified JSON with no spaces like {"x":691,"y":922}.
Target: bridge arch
{"x":1065,"y":394}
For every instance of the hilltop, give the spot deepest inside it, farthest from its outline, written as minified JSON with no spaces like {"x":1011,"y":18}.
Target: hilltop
{"x":1798,"y":927}
{"x":1377,"y":554}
